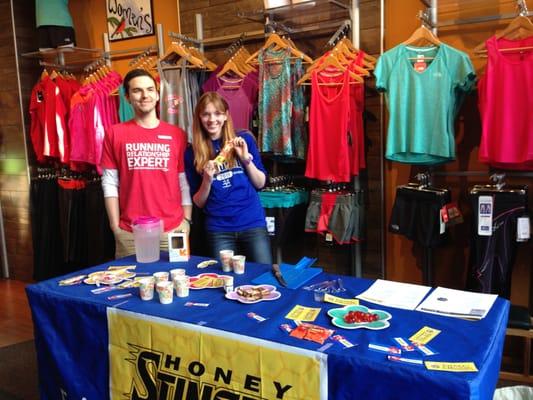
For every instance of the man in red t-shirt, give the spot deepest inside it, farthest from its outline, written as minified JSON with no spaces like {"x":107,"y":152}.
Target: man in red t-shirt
{"x":143,"y":171}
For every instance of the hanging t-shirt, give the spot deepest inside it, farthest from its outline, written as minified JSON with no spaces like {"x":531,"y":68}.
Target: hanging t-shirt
{"x":125,"y":110}
{"x":233,"y":204}
{"x":423,"y":103}
{"x":327,"y":156}
{"x":275,"y":104}
{"x":52,"y":12}
{"x":505,"y":104}
{"x":175,"y":102}
{"x":148,"y":161}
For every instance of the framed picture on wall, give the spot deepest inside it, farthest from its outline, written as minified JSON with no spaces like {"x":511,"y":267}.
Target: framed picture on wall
{"x":128,"y":19}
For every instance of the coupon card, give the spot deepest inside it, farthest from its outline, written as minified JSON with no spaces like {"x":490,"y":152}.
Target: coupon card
{"x":424,"y":335}
{"x":301,"y":313}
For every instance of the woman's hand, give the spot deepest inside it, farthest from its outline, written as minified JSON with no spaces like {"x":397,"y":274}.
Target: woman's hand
{"x":209,"y":170}
{"x":241,"y":148}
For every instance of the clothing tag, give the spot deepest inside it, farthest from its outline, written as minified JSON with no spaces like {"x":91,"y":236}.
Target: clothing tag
{"x":453,"y":214}
{"x":444,"y":214}
{"x":329,"y":237}
{"x":271,"y":225}
{"x":420,"y":66}
{"x":442,"y":224}
{"x":485,"y":205}
{"x":523,"y":229}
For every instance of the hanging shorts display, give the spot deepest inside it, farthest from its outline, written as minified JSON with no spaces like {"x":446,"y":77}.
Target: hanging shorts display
{"x":492,"y":257}
{"x":416,"y":215}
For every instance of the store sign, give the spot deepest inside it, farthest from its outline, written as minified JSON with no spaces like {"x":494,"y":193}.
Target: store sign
{"x":127,"y":19}
{"x":155,"y":358}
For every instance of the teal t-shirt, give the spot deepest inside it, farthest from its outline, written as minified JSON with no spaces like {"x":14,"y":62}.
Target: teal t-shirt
{"x":423,"y":104}
{"x":125,"y":110}
{"x":52,"y":12}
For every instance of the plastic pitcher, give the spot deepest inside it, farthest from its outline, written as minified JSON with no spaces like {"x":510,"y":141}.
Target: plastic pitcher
{"x":146,"y":233}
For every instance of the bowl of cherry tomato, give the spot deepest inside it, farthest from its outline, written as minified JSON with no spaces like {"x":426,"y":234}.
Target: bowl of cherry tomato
{"x":357,"y":317}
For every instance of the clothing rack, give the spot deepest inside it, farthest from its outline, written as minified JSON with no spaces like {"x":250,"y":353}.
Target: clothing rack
{"x":109,"y":54}
{"x":185,"y":38}
{"x":341,"y":32}
{"x":521,"y":8}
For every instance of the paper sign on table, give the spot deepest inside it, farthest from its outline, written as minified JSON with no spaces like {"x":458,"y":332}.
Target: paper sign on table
{"x":328,"y":298}
{"x":424,"y":335}
{"x":451,"y":366}
{"x":395,"y":294}
{"x":458,"y":303}
{"x":301,"y":313}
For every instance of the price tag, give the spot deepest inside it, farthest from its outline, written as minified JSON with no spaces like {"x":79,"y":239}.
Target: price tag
{"x":271,"y":225}
{"x":485,"y":211}
{"x":523,"y":229}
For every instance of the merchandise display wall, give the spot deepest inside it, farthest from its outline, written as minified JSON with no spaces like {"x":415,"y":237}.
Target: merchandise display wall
{"x":450,"y":262}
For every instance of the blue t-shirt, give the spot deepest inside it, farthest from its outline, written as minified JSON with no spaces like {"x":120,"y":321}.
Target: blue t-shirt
{"x":233,"y":204}
{"x":423,"y":105}
{"x":52,"y":12}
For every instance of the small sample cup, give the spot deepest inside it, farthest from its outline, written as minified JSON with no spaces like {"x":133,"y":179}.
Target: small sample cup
{"x":160,"y":277}
{"x":238,"y":264}
{"x":146,"y":288}
{"x":225,"y":259}
{"x":228,"y":284}
{"x":176,"y":272}
{"x":165,"y":291}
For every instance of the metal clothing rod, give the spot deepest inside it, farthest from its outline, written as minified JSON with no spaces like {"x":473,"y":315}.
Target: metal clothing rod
{"x":184,"y":38}
{"x":481,"y":173}
{"x":477,"y":20}
{"x":112,"y":53}
{"x":346,"y":24}
{"x":60,"y":66}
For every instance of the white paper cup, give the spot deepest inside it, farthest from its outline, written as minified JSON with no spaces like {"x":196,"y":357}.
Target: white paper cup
{"x":176,"y":272}
{"x":165,"y":290}
{"x":225,"y":259}
{"x":228,"y":284}
{"x":160,"y":277}
{"x":182,"y":290}
{"x":146,"y":288}
{"x":238,"y":263}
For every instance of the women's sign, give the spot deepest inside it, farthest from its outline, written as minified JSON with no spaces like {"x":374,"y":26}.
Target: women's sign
{"x":127,"y":19}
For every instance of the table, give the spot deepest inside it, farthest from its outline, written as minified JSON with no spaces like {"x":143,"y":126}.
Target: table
{"x":72,"y":337}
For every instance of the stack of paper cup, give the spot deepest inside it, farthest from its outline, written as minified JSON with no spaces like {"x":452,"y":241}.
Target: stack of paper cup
{"x":146,"y":288}
{"x":165,"y":291}
{"x":238,"y":264}
{"x":181,"y":284}
{"x":228,"y":283}
{"x":225,"y":259}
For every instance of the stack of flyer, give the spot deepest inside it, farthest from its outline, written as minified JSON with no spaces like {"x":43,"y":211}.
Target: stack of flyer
{"x":395,"y":294}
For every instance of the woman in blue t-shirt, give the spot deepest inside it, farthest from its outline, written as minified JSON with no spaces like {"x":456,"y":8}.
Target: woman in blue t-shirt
{"x":225,"y":172}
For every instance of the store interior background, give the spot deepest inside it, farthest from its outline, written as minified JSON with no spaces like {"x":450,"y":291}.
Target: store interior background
{"x":382,"y":254}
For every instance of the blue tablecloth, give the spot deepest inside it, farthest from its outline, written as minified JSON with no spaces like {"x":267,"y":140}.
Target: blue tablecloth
{"x":71,"y":336}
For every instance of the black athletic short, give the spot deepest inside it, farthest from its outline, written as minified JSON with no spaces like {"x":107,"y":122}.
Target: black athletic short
{"x":492,"y":257}
{"x":51,"y":36}
{"x":416,"y":215}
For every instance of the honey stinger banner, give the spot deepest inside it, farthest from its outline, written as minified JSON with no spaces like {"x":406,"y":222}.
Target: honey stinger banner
{"x":159,"y":359}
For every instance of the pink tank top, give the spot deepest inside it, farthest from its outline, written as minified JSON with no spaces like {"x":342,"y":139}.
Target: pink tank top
{"x":505,"y":104}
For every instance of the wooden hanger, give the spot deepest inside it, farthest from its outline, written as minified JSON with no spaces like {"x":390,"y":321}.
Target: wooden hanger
{"x":329,"y":61}
{"x":178,"y":49}
{"x":422,"y":37}
{"x":519,"y":28}
{"x":346,"y":52}
{"x":277,"y":42}
{"x":211,"y":66}
{"x":230,"y":66}
{"x":347,"y":43}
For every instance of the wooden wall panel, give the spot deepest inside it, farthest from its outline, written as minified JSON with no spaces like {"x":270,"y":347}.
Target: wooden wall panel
{"x":14,"y":185}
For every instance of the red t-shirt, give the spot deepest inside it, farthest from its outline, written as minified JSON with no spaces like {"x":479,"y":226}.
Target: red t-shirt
{"x":148,"y":162}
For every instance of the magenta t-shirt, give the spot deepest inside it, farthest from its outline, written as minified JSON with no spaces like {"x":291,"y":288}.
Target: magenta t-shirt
{"x":239,"y":93}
